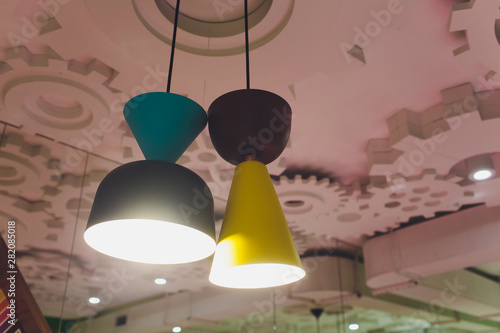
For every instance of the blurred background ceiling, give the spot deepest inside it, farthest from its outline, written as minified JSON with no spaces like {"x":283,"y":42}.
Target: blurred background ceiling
{"x":394,"y":103}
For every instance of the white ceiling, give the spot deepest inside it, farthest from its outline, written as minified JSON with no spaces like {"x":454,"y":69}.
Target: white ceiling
{"x":380,"y":130}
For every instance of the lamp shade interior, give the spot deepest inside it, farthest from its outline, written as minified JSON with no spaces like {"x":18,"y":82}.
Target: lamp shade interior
{"x":150,"y":241}
{"x":256,"y":248}
{"x":152,"y":212}
{"x":255,"y":276}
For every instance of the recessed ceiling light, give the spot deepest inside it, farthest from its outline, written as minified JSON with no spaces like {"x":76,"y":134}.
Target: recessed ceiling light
{"x":482,"y":174}
{"x":176,"y":329}
{"x":477,"y":168}
{"x":160,"y":281}
{"x":353,"y":327}
{"x":94,"y":300}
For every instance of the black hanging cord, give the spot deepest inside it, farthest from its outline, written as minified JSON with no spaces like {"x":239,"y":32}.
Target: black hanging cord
{"x":3,"y":135}
{"x":342,"y":308}
{"x":174,"y":37}
{"x":317,"y":312}
{"x":246,"y":44}
{"x":275,"y":324}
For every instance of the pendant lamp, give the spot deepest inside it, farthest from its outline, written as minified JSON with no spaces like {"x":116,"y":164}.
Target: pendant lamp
{"x":155,"y":211}
{"x":250,"y":128}
{"x":317,"y":312}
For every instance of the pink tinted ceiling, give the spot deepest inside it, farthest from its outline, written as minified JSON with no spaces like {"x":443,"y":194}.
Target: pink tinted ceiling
{"x":339,"y":102}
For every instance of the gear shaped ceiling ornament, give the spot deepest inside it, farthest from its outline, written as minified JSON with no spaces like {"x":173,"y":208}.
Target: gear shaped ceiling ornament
{"x":25,"y":165}
{"x":402,"y":198}
{"x":329,"y":209}
{"x":307,"y":200}
{"x":479,"y":20}
{"x":36,"y":229}
{"x":465,"y":124}
{"x":68,"y":101}
{"x":46,"y":272}
{"x":66,"y":196}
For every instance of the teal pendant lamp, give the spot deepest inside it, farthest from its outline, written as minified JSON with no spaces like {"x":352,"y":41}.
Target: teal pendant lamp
{"x":155,"y":211}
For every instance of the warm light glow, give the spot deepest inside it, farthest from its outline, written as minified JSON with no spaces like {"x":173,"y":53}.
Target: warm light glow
{"x":256,"y":275}
{"x":176,"y":329}
{"x":482,"y":174}
{"x":94,"y":300}
{"x":160,"y":281}
{"x":353,"y":327}
{"x":149,"y":241}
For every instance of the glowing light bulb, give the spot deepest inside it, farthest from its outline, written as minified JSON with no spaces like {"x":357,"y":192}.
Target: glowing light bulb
{"x":482,"y":174}
{"x":94,"y":300}
{"x":353,"y":327}
{"x":160,"y":281}
{"x":176,"y":329}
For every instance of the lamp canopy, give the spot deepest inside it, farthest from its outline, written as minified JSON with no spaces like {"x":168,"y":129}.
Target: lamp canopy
{"x":152,"y":212}
{"x":249,"y":122}
{"x":164,"y":124}
{"x":256,"y":248}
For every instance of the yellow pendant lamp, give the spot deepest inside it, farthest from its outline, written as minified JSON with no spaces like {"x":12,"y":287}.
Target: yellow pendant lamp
{"x":250,"y":128}
{"x":255,"y":248}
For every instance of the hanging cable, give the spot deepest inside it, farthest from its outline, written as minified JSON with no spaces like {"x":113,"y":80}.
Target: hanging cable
{"x":275,"y":325}
{"x":73,"y":242}
{"x":190,"y":314}
{"x":438,"y":318}
{"x":342,"y":310}
{"x":317,"y":312}
{"x":247,"y":48}
{"x":172,"y":51}
{"x":3,"y":134}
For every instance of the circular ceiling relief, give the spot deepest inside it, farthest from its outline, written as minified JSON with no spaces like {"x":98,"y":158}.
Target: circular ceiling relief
{"x":215,"y":18}
{"x":52,"y":102}
{"x":214,"y":28}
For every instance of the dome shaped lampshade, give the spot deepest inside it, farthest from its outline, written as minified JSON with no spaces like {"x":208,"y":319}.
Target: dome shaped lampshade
{"x":249,"y":122}
{"x":152,"y":212}
{"x":164,"y":124}
{"x":255,"y":248}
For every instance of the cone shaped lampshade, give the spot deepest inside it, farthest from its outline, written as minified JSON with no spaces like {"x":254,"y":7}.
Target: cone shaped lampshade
{"x":152,"y":212}
{"x":164,"y":124}
{"x":255,"y":248}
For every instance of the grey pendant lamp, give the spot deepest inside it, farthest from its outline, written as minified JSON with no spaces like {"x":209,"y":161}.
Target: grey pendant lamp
{"x":155,"y":211}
